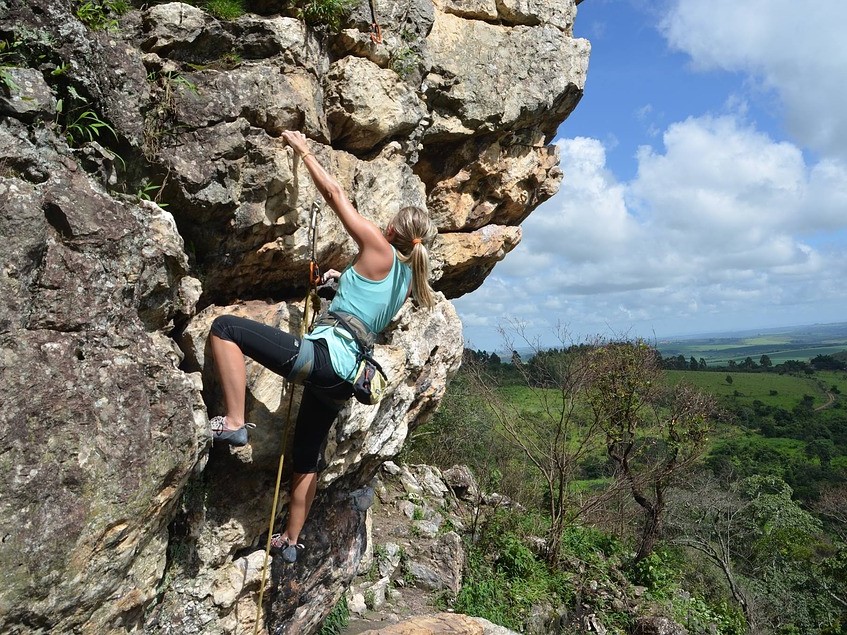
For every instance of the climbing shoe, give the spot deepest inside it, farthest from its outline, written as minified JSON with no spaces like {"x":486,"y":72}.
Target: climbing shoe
{"x":233,"y":437}
{"x":288,"y":551}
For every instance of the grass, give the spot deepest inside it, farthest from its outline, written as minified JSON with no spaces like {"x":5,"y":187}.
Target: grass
{"x":834,"y":378}
{"x":749,"y":387}
{"x":226,"y":9}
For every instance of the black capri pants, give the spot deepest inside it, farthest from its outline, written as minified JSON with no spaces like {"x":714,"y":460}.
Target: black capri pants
{"x":324,"y":394}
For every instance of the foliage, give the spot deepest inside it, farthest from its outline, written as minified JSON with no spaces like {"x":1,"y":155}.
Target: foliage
{"x":503,"y":579}
{"x":100,"y":15}
{"x":148,"y":191}
{"x":225,"y":9}
{"x":748,"y":550}
{"x":770,"y":550}
{"x":404,"y":60}
{"x":324,"y":12}
{"x":161,"y":120}
{"x":85,"y":126}
{"x":653,"y":433}
{"x":337,"y":620}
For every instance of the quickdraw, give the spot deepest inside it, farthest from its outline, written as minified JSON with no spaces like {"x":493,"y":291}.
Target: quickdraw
{"x":376,"y":30}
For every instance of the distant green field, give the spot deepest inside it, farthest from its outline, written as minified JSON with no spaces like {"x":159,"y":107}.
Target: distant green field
{"x":749,"y":387}
{"x":801,"y":344}
{"x":779,"y":356}
{"x":745,"y":387}
{"x":834,"y":378}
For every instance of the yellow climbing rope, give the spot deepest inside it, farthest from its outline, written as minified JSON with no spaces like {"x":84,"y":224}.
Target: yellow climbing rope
{"x":312,"y":302}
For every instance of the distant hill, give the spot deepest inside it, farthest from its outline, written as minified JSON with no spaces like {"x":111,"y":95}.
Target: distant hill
{"x":800,"y":343}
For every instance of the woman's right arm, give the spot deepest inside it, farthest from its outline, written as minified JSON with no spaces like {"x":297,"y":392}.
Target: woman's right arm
{"x":375,"y":254}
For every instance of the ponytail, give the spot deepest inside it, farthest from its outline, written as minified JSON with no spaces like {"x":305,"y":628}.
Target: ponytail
{"x":414,"y":234}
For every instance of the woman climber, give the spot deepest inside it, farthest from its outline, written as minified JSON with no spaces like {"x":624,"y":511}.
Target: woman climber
{"x":390,"y":265}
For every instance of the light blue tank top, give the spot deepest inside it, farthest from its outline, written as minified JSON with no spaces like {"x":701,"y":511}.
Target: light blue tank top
{"x":375,"y":302}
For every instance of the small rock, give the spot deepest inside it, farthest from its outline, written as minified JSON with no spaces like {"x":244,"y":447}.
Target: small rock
{"x":461,"y":480}
{"x":356,"y":604}
{"x":391,"y":467}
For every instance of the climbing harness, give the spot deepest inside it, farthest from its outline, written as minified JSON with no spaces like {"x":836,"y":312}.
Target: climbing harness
{"x":301,"y":369}
{"x":376,"y":30}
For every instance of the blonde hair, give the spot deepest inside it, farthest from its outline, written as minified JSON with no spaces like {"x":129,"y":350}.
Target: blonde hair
{"x":414,"y":233}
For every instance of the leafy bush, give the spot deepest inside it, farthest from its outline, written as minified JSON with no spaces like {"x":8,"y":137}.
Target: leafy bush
{"x":99,"y":15}
{"x":337,"y":619}
{"x":504,"y":579}
{"x":328,"y":12}
{"x":226,"y":9}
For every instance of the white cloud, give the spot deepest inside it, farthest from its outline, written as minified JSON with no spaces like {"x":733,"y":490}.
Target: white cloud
{"x":794,"y":49}
{"x":711,"y":226}
{"x":723,"y":226}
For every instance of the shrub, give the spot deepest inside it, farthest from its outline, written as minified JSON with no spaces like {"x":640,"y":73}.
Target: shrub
{"x":337,"y":619}
{"x":327,"y":12}
{"x":225,"y":9}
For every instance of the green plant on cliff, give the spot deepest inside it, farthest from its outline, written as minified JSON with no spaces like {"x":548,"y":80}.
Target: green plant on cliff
{"x":324,"y":12}
{"x":225,"y":9}
{"x":80,"y":123}
{"x":100,"y":15}
{"x":503,"y":579}
{"x":7,"y":53}
{"x":161,"y":119}
{"x":404,"y":58}
{"x":337,"y":619}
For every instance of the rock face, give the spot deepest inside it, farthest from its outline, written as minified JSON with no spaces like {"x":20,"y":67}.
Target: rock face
{"x":116,"y":516}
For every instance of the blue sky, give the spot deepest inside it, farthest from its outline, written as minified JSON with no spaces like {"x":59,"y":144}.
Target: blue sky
{"x":705,"y":185}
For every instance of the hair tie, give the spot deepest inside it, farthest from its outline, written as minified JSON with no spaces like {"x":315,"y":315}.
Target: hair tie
{"x":416,"y":241}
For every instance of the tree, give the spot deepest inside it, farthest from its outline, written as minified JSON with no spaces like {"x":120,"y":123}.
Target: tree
{"x":654,"y":433}
{"x":765,"y":362}
{"x":555,"y":438}
{"x":767,"y":547}
{"x":692,"y":364}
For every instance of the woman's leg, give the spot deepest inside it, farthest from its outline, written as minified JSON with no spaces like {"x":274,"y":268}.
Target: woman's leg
{"x":232,"y":338}
{"x":303,"y":488}
{"x":229,"y":364}
{"x":317,"y":413}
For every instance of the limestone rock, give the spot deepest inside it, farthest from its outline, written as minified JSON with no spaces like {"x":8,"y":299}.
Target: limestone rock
{"x":493,"y":629}
{"x":470,"y":256}
{"x":183,"y":31}
{"x":533,"y":12}
{"x":461,"y":481}
{"x":497,"y":184}
{"x":366,"y":104}
{"x":104,"y":431}
{"x":430,"y":479}
{"x":28,"y":98}
{"x":654,"y":625}
{"x":440,"y":566}
{"x":484,"y":77}
{"x":100,"y":429}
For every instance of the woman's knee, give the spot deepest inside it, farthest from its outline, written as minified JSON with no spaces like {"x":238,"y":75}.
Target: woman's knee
{"x":221,"y":327}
